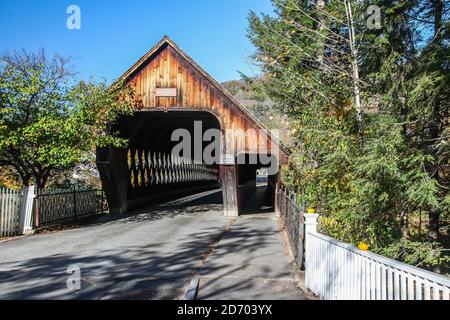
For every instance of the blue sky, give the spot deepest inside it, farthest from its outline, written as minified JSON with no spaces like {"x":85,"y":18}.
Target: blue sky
{"x":115,"y":34}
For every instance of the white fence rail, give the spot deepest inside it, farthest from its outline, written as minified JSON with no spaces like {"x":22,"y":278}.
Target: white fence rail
{"x":339,"y":271}
{"x":23,"y":211}
{"x":10,"y":205}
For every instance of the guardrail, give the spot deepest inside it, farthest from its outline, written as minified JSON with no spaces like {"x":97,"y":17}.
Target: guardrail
{"x":292,"y":219}
{"x":336,"y":270}
{"x":53,"y":206}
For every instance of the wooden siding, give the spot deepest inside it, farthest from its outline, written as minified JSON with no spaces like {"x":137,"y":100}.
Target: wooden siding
{"x":166,"y":66}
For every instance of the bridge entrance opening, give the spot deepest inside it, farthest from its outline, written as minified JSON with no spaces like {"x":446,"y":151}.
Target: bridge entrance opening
{"x":174,"y":92}
{"x":151,"y":172}
{"x":256,"y":185}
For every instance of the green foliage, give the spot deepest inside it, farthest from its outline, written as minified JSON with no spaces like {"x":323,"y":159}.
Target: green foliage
{"x":365,"y":183}
{"x":48,"y":122}
{"x":420,"y":254}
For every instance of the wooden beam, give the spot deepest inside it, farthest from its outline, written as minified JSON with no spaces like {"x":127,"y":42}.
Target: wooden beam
{"x":228,"y":176}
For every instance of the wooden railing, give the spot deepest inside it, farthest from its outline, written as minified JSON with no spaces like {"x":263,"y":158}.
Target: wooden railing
{"x":339,"y":271}
{"x":10,"y":204}
{"x":292,"y":219}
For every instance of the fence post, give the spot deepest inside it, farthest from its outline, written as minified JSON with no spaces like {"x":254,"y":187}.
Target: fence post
{"x":102,"y":207}
{"x":310,"y":227}
{"x":301,"y":235}
{"x":36,"y":209}
{"x":311,"y":222}
{"x":26,"y":210}
{"x":74,"y":203}
{"x":277,"y":199}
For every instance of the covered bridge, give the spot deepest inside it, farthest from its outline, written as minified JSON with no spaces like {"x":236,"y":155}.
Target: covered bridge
{"x":177,"y":94}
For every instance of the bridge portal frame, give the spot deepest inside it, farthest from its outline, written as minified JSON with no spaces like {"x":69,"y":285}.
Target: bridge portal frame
{"x":168,"y":80}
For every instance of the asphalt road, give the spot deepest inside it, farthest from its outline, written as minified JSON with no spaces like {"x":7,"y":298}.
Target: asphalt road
{"x":152,"y":254}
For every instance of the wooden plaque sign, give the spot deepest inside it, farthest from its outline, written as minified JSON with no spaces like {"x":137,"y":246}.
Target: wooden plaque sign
{"x":227,"y":159}
{"x":166,"y":92}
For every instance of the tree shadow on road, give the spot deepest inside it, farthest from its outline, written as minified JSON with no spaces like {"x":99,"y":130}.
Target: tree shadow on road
{"x":210,"y":203}
{"x":115,"y":273}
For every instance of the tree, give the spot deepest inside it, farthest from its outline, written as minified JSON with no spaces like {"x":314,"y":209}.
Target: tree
{"x":48,"y":122}
{"x":407,"y":61}
{"x":368,"y":167}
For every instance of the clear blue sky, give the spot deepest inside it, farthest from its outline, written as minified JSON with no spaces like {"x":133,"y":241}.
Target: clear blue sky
{"x":116,"y":33}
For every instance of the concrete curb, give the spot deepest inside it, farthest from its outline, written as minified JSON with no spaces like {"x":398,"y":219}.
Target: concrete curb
{"x":16,"y":238}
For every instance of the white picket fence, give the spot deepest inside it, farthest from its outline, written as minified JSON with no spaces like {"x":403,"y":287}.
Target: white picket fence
{"x":335,"y":270}
{"x":10,"y":206}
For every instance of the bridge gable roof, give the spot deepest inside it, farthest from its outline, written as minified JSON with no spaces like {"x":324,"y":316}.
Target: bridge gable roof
{"x":167,"y":42}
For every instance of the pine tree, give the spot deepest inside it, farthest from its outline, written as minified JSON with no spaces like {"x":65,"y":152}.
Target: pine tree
{"x":368,"y":167}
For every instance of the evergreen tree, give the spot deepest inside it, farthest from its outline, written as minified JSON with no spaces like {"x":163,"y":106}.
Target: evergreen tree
{"x":369,"y":166}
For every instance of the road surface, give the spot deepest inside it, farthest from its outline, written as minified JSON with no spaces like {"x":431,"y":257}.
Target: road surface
{"x":153,"y":254}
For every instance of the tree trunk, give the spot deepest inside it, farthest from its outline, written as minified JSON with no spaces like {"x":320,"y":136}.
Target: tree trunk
{"x":355,"y":67}
{"x":320,"y":5}
{"x":41,"y":180}
{"x":24,"y":176}
{"x":404,"y":222}
{"x":433,"y":228}
{"x":433,"y":234}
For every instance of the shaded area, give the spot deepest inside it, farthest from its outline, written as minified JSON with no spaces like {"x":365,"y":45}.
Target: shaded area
{"x":156,"y":251}
{"x":256,"y":191}
{"x":259,"y":201}
{"x":249,"y":263}
{"x":148,"y":171}
{"x":153,"y":254}
{"x":152,"y":169}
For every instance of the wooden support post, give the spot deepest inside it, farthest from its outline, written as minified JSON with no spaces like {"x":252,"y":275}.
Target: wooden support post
{"x":229,"y":190}
{"x":113,"y":169}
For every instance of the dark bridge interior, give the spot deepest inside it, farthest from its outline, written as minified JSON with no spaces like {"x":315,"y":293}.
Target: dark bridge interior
{"x":256,"y":192}
{"x":148,"y":171}
{"x":154,"y":173}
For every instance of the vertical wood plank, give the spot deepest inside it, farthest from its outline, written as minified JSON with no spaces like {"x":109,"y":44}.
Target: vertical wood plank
{"x":368,"y":297}
{"x":396,"y":285}
{"x":403,"y":286}
{"x":358,"y":282}
{"x":446,"y":294}
{"x":411,"y":287}
{"x":9,"y":208}
{"x":436,"y":292}
{"x":427,"y":286}
{"x":419,"y":289}
{"x":363,"y":278}
{"x":378,"y":281}
{"x":383,"y":283}
{"x":2,"y":210}
{"x":372,"y":280}
{"x":390,"y":284}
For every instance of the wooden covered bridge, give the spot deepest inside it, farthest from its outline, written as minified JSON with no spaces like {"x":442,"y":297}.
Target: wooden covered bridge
{"x":177,"y":94}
